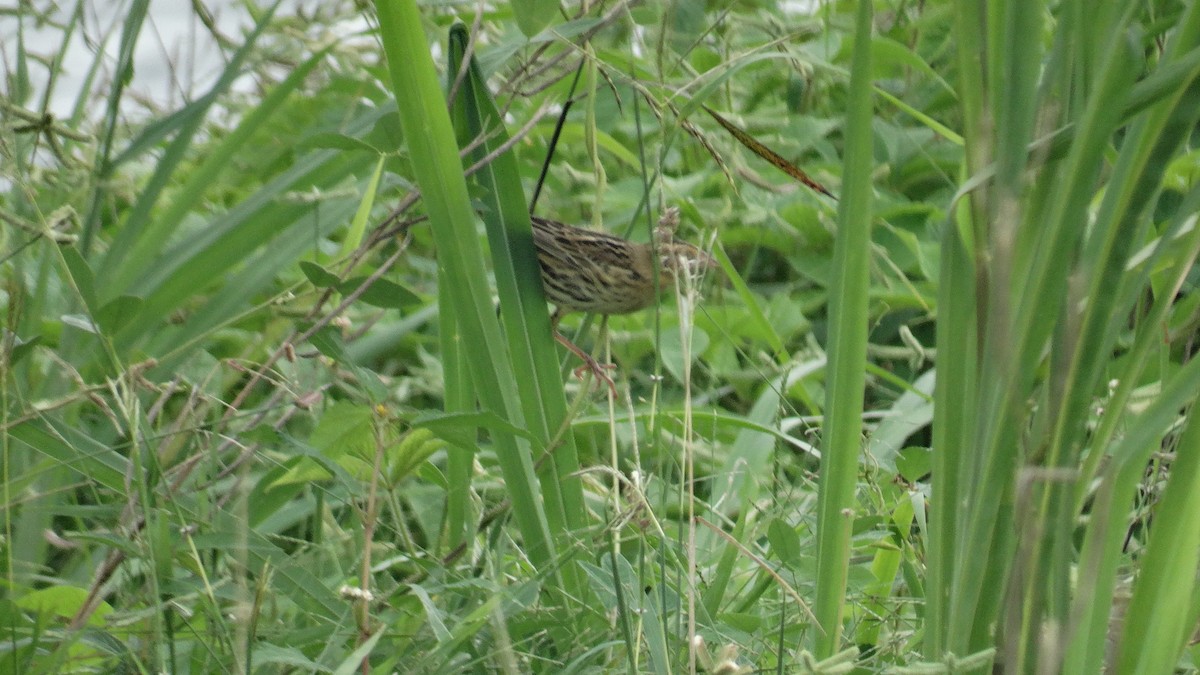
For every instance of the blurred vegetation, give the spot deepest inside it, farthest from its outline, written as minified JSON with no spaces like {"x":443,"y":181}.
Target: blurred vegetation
{"x":278,"y":394}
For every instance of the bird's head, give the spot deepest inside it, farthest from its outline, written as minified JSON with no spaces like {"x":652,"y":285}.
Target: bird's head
{"x":676,"y":256}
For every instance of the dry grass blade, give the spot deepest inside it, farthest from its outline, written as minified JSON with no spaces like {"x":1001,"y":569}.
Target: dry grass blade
{"x":769,"y":154}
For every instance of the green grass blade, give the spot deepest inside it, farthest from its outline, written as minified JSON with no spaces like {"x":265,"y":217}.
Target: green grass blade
{"x":522,"y":300}
{"x":132,"y":27}
{"x":954,"y":396}
{"x":1156,"y":626}
{"x":841,"y":442}
{"x":439,"y":173}
{"x":138,"y":245}
{"x":189,"y":126}
{"x":233,"y":238}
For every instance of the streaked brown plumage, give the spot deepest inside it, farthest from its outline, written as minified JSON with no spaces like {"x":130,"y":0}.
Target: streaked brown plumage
{"x":588,"y":271}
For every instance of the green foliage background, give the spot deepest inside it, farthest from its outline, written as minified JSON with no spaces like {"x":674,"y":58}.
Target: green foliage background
{"x":261,"y":412}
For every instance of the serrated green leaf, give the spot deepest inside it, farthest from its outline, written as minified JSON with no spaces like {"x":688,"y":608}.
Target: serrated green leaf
{"x":318,"y":276}
{"x":534,"y":15}
{"x":22,"y":348}
{"x":411,"y":452}
{"x":913,"y":463}
{"x":460,"y":428}
{"x":114,"y":315}
{"x":332,"y":141}
{"x":81,"y":275}
{"x":381,"y":293}
{"x":329,"y":342}
{"x":785,"y":543}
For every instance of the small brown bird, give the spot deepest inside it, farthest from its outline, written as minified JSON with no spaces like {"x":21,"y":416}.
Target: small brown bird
{"x":588,"y":271}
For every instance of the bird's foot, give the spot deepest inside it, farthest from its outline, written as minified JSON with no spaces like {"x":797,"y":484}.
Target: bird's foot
{"x":596,"y":368}
{"x":589,"y":364}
